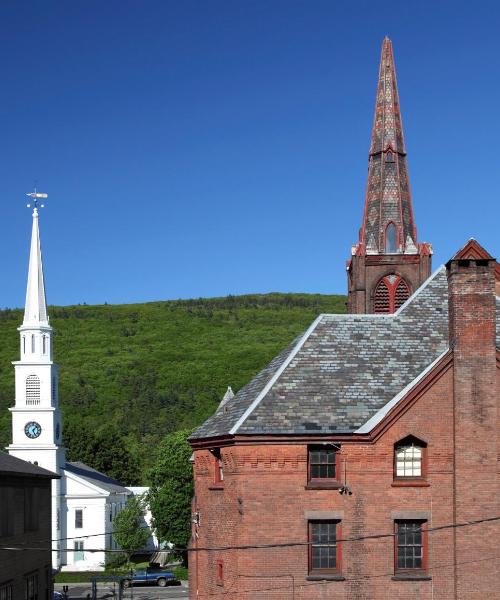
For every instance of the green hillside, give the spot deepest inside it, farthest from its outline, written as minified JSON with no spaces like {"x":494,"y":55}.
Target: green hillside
{"x":129,"y":374}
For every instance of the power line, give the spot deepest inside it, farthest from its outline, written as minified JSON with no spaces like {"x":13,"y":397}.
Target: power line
{"x":374,"y":536}
{"x":264,"y":546}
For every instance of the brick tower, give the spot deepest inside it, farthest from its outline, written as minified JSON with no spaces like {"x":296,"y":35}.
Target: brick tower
{"x":387,"y":264}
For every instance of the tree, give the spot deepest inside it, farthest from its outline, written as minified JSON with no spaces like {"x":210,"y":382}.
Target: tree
{"x":171,"y":490}
{"x":128,"y":526}
{"x":104,"y":449}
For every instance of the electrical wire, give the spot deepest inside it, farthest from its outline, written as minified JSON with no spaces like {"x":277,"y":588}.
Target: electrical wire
{"x":264,"y":546}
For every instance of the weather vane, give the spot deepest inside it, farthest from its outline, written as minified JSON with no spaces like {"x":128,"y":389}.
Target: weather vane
{"x":36,"y":197}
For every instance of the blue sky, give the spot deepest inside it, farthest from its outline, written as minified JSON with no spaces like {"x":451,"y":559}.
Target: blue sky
{"x":210,"y":148}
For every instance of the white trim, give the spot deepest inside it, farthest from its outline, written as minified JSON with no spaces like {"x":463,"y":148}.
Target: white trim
{"x":275,"y":377}
{"x":420,"y":289}
{"x":70,"y":475}
{"x":380,"y":414}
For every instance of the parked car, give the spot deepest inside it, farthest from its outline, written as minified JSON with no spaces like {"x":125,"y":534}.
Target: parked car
{"x":57,"y":596}
{"x":151,"y":576}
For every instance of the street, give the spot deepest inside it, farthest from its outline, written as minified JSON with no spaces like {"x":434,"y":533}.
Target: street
{"x":82,"y":591}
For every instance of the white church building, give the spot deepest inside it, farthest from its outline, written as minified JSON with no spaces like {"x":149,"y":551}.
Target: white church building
{"x":84,"y":501}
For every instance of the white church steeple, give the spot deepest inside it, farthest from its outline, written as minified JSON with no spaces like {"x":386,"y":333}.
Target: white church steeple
{"x":35,"y":310}
{"x":36,"y":420}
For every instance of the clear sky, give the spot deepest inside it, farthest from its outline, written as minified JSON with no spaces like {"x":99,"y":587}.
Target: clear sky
{"x":211,"y":148}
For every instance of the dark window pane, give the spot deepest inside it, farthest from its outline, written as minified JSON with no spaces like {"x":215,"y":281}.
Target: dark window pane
{"x":322,"y":463}
{"x":323,"y":536}
{"x":409,"y":545}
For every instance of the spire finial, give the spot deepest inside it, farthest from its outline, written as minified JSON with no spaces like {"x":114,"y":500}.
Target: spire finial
{"x":36,"y":197}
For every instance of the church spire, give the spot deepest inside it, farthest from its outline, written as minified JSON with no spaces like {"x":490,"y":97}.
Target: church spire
{"x":35,"y":311}
{"x":388,"y":221}
{"x":387,"y":264}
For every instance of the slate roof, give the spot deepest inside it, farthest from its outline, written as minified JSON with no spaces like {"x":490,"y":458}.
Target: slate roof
{"x":11,"y":465}
{"x":343,"y":370}
{"x":96,"y":478}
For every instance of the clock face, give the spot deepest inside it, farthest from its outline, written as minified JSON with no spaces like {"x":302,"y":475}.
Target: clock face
{"x":32,"y":429}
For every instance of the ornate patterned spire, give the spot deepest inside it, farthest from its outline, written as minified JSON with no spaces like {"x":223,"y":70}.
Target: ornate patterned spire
{"x":388,"y":222}
{"x":35,"y":311}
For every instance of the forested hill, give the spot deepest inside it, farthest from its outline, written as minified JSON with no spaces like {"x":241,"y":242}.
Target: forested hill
{"x":129,"y":374}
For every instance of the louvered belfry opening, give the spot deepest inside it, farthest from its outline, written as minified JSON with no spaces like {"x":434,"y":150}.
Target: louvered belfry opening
{"x":391,"y":293}
{"x":32,"y":390}
{"x":382,"y":300}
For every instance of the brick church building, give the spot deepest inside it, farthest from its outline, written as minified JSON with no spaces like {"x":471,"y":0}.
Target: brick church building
{"x":363,"y":462}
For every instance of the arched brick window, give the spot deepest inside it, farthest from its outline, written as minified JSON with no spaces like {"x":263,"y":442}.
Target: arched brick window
{"x":410,"y":458}
{"x":391,"y":292}
{"x":32,"y":390}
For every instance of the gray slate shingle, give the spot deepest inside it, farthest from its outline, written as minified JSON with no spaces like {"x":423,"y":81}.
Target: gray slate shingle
{"x":348,"y":368}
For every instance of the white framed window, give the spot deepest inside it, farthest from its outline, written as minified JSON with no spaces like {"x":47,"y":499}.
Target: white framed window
{"x":79,"y":554}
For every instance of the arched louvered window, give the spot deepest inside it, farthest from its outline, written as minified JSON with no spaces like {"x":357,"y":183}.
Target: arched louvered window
{"x":382,"y":298}
{"x":391,"y":292}
{"x":32,"y":390}
{"x":389,"y":157}
{"x":401,"y":294}
{"x":391,"y":243}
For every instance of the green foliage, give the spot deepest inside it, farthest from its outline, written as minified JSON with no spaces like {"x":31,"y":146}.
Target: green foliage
{"x":116,"y":562}
{"x":171,"y":489}
{"x":128,"y":529}
{"x":104,"y":449}
{"x":151,"y":369}
{"x":181,"y":573}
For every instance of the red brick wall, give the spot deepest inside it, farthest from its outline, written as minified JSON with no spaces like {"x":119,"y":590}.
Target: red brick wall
{"x":265,"y":500}
{"x":472,"y":331}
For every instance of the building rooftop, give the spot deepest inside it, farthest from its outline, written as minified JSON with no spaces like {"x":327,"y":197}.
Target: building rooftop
{"x":96,"y":478}
{"x":342,"y":371}
{"x":10,"y":465}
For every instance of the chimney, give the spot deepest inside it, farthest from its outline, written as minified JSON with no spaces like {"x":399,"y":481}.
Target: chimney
{"x":472,"y":320}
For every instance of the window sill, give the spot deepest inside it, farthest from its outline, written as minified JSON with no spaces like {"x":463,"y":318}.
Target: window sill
{"x":215,"y":487}
{"x":325,"y":577}
{"x":410,"y":483}
{"x":411,"y":577}
{"x":323,"y":485}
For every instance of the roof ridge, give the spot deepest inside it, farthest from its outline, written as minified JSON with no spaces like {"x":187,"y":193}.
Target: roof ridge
{"x":263,"y":393}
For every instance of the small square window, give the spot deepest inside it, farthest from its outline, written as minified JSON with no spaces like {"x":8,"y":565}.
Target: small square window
{"x":323,"y":467}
